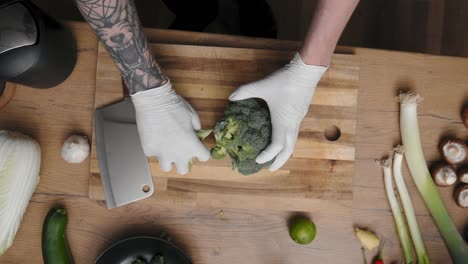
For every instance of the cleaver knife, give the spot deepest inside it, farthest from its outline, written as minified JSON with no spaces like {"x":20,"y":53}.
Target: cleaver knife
{"x":123,"y":166}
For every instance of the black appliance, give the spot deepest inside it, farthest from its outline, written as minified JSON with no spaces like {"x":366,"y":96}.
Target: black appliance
{"x":35,"y":49}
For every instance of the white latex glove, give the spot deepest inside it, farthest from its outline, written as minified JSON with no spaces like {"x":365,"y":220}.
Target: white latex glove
{"x":288,"y":93}
{"x":167,"y":124}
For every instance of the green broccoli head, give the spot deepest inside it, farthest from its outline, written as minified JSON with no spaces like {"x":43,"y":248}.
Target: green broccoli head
{"x":243,"y":133}
{"x":249,"y":166}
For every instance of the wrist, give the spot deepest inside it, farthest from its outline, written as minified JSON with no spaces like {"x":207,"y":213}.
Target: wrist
{"x":156,"y":98}
{"x":317,"y":51}
{"x":313,"y":71}
{"x":139,"y":79}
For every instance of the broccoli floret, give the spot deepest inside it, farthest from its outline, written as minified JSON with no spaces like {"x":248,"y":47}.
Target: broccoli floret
{"x":249,"y":166}
{"x":158,"y":259}
{"x":218,"y":152}
{"x":203,"y":133}
{"x":243,"y":133}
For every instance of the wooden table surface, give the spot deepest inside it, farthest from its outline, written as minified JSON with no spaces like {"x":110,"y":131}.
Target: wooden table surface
{"x":225,"y":235}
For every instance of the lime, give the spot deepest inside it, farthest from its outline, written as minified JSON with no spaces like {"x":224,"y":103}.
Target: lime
{"x":302,"y":230}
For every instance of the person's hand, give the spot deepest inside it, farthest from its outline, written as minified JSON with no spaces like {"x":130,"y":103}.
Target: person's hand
{"x":288,"y":93}
{"x":167,"y":124}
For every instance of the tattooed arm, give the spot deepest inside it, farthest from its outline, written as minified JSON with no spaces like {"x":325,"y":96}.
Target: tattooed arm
{"x":166,"y":122}
{"x":117,"y":26}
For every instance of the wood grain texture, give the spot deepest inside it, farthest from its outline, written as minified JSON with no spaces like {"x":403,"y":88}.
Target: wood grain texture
{"x":442,"y":81}
{"x":51,"y":115}
{"x":207,"y":235}
{"x":219,"y":234}
{"x":7,"y":94}
{"x":319,"y":169}
{"x":427,"y":26}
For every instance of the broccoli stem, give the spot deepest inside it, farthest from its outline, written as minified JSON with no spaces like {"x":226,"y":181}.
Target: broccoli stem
{"x":203,"y":133}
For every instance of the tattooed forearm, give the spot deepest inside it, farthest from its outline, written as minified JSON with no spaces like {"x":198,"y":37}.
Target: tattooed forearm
{"x":118,"y":27}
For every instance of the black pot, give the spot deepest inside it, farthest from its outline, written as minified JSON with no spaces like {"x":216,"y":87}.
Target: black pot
{"x":143,"y":247}
{"x":35,"y":50}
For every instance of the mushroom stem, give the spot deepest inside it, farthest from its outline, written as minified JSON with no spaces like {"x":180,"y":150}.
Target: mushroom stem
{"x":453,"y":150}
{"x":444,"y":175}
{"x":463,"y":175}
{"x":461,"y":195}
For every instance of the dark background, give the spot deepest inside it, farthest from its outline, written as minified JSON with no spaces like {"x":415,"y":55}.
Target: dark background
{"x":428,"y":26}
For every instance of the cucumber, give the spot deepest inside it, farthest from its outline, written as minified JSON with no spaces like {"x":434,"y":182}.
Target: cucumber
{"x":54,"y":239}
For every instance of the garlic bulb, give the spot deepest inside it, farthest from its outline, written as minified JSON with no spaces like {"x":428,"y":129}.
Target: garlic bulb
{"x":20,"y":161}
{"x":75,"y":149}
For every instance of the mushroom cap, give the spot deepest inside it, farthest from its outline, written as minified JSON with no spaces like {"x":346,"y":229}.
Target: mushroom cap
{"x":461,"y":195}
{"x":453,"y":150}
{"x":444,"y":175}
{"x":463,"y":175}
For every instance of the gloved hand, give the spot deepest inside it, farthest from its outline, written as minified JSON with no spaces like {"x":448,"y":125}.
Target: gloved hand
{"x":288,"y":93}
{"x":167,"y":124}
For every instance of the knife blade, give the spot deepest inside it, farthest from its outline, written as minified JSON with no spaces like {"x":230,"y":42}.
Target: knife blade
{"x":123,"y":166}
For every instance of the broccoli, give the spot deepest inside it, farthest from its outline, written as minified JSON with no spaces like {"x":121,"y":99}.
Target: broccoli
{"x":157,"y":259}
{"x":218,"y":153}
{"x":203,"y":133}
{"x":243,"y":133}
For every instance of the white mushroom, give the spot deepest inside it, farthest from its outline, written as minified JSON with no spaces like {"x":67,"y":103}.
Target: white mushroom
{"x":461,"y":195}
{"x":75,"y":149}
{"x":463,"y":175}
{"x":453,"y":150}
{"x":444,"y":175}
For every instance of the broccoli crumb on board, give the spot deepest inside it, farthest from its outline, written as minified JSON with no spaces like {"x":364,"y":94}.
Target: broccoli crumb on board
{"x":243,"y":133}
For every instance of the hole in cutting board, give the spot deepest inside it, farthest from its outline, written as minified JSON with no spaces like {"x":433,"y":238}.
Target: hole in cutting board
{"x":145,"y":188}
{"x":332,"y":133}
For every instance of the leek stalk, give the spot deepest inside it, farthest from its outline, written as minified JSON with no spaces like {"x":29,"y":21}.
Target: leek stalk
{"x":422,"y":178}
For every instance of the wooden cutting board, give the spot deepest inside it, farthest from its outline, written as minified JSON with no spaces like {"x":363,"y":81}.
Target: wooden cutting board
{"x":320,"y":169}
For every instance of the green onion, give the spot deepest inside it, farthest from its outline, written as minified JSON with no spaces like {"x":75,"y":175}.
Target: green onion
{"x":423,"y":180}
{"x":421,"y":252}
{"x":402,"y":230}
